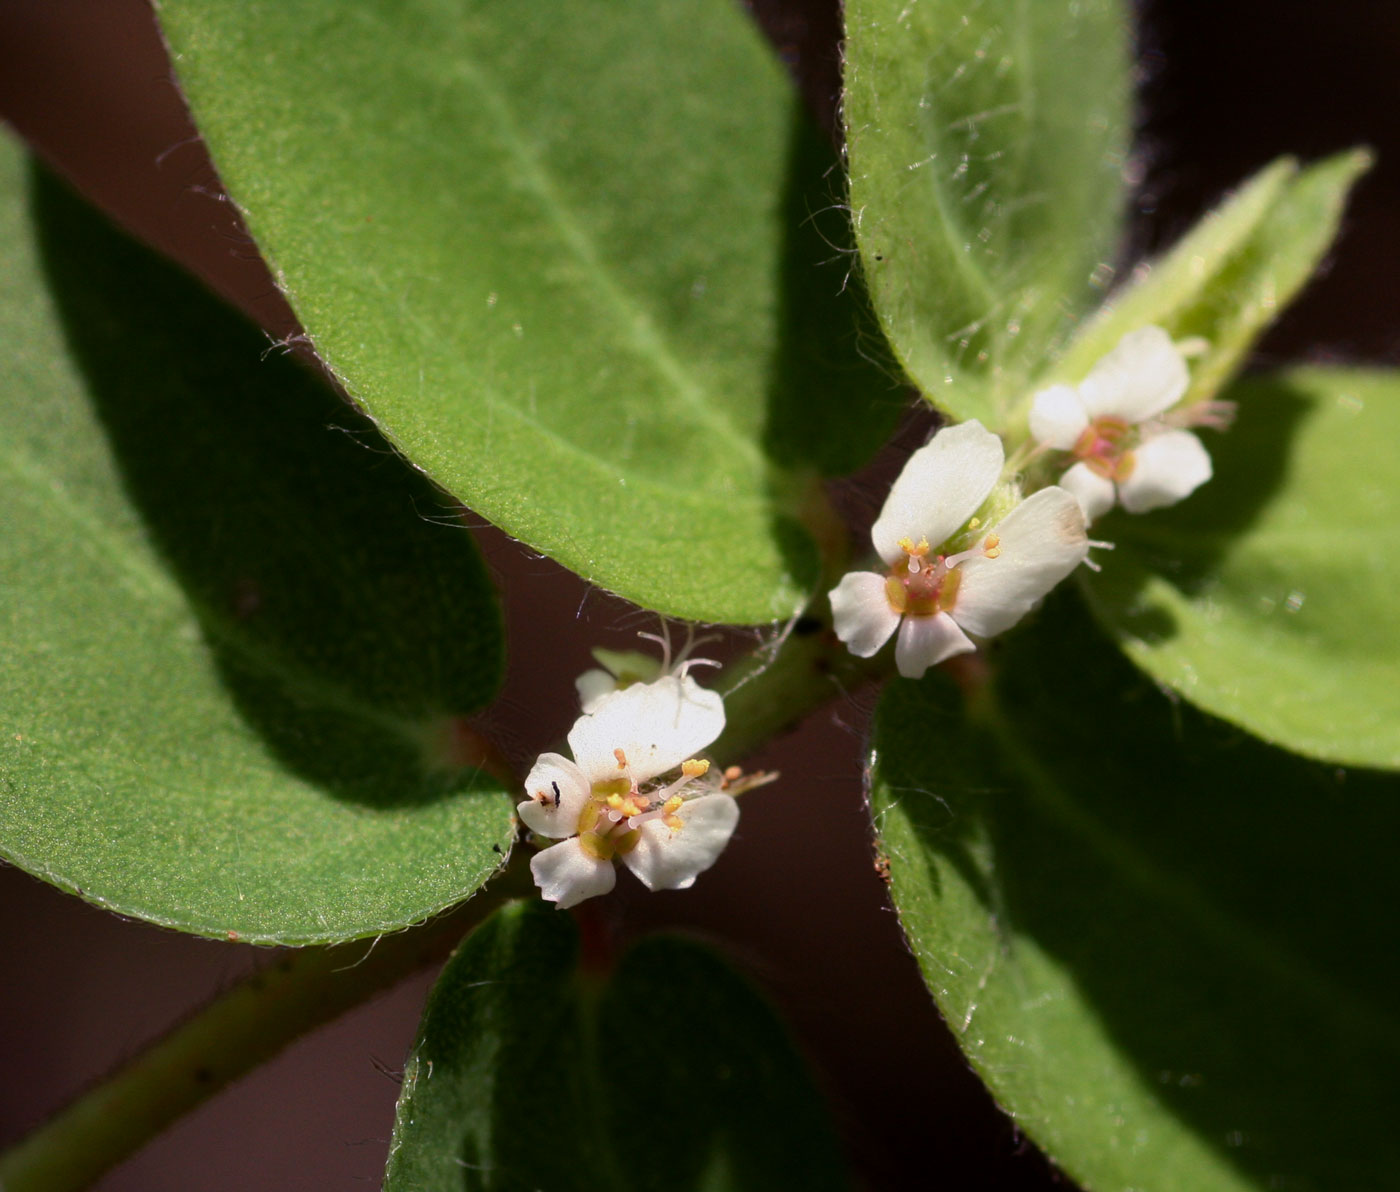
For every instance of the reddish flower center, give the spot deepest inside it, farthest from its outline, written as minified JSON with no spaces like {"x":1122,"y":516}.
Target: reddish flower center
{"x":918,"y":586}
{"x":1106,"y":447}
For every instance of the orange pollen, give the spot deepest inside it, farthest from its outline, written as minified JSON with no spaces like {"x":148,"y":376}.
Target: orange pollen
{"x":621,"y":759}
{"x":992,"y":547}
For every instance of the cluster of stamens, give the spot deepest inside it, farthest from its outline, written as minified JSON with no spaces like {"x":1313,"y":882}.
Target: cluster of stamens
{"x":610,"y":823}
{"x":1106,"y":447}
{"x":920,"y":586}
{"x":1215,"y":415}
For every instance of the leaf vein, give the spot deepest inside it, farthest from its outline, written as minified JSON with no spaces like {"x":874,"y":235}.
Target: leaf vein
{"x":1140,"y":872}
{"x":639,"y":324}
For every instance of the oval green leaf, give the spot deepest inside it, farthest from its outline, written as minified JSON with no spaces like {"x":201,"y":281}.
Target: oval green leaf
{"x":240,"y":634}
{"x":564,"y":256}
{"x":1170,"y":949}
{"x":1272,"y":596}
{"x":986,"y":145}
{"x":670,"y":1074}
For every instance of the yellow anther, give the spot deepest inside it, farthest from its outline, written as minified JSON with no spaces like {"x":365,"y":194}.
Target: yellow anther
{"x":992,"y":547}
{"x":624,"y":804}
{"x":695,"y":767}
{"x":914,"y":552}
{"x":621,"y":759}
{"x":672,"y":805}
{"x":974,"y":523}
{"x":674,"y":822}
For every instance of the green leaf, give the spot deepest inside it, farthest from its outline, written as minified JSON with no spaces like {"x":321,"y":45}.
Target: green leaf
{"x":1169,"y":949}
{"x":670,"y":1074}
{"x":564,"y":256}
{"x":239,"y":633}
{"x":1232,"y":275}
{"x":986,"y":146}
{"x":1272,"y":596}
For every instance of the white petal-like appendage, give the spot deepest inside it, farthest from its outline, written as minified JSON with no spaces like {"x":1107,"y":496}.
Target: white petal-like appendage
{"x":1095,"y":494}
{"x":667,"y":860}
{"x":656,"y":725}
{"x":567,"y":875}
{"x":941,"y":486}
{"x":861,"y":612}
{"x":592,"y":686}
{"x":1140,"y":378}
{"x":1042,"y":541}
{"x":926,"y":641}
{"x":554,"y":777}
{"x":1166,"y":468}
{"x":1058,"y":417}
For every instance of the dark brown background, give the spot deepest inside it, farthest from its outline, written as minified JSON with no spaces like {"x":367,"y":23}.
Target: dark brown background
{"x":1224,"y":88}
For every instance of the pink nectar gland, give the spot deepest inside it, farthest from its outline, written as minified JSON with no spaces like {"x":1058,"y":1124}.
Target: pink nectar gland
{"x":920,"y":586}
{"x":1106,"y":448}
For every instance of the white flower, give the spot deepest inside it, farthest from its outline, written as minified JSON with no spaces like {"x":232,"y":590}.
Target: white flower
{"x":621,"y":668}
{"x":616,"y":669}
{"x":934,"y":595}
{"x":1110,"y":424}
{"x":604,"y":803}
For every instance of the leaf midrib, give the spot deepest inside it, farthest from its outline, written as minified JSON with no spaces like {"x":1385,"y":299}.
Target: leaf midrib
{"x":645,"y":484}
{"x":953,"y":232}
{"x":638,"y":323}
{"x":113,"y":550}
{"x":124,"y":558}
{"x":1140,"y":872}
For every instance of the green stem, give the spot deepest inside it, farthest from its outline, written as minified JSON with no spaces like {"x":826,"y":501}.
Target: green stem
{"x":770,"y":691}
{"x":767,"y":693}
{"x":240,"y":1029}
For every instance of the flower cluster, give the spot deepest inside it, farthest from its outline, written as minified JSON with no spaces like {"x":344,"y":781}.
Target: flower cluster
{"x":634,"y":791}
{"x":966,"y":557}
{"x":1111,"y":424}
{"x":965,"y":553}
{"x":617,"y":669}
{"x":950,"y":574}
